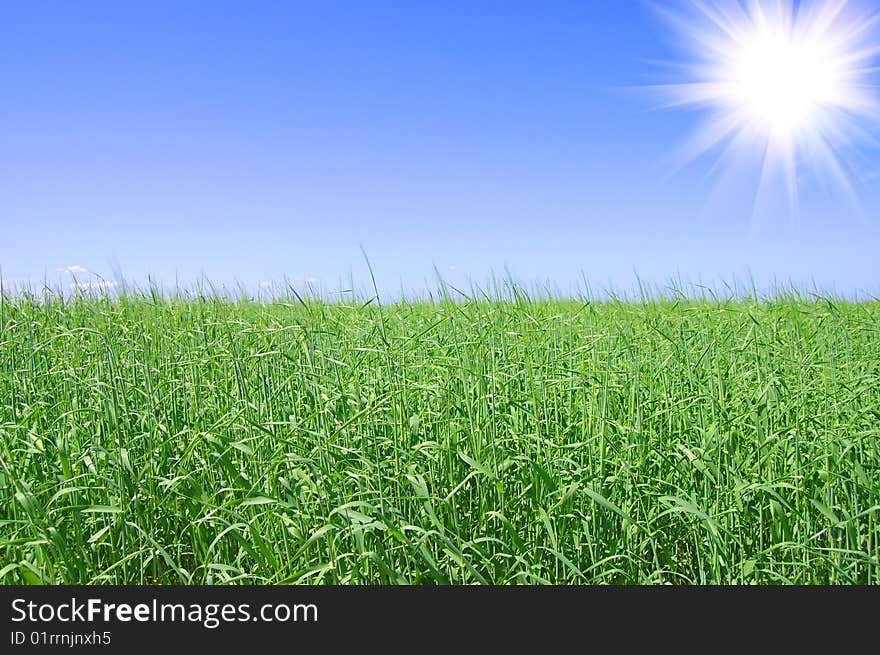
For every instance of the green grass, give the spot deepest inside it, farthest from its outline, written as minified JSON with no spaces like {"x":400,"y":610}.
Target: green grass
{"x":487,"y":440}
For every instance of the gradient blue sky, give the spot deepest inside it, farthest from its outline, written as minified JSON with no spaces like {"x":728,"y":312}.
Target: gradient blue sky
{"x":252,"y":141}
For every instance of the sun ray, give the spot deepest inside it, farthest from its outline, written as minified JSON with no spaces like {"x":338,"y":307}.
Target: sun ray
{"x":793,"y":80}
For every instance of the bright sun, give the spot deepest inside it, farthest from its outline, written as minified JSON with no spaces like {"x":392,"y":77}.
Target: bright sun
{"x":781,"y":83}
{"x":784,"y":82}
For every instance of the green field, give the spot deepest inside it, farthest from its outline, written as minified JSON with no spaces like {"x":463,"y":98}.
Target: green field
{"x":495,"y":439}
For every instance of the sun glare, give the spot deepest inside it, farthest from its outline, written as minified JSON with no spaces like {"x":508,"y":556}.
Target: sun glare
{"x":785,"y":84}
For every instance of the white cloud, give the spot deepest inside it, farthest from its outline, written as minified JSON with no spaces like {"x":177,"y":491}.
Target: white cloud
{"x":103,"y":285}
{"x":73,"y":270}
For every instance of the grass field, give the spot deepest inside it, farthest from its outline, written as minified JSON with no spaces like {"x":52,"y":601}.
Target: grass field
{"x":501,"y":439}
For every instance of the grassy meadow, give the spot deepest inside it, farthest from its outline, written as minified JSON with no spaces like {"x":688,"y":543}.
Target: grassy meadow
{"x":501,"y":438}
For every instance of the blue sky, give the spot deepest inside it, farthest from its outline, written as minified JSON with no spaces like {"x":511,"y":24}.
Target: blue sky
{"x":260,"y":141}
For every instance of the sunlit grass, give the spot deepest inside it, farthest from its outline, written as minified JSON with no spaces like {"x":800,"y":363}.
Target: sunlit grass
{"x":498,"y":438}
